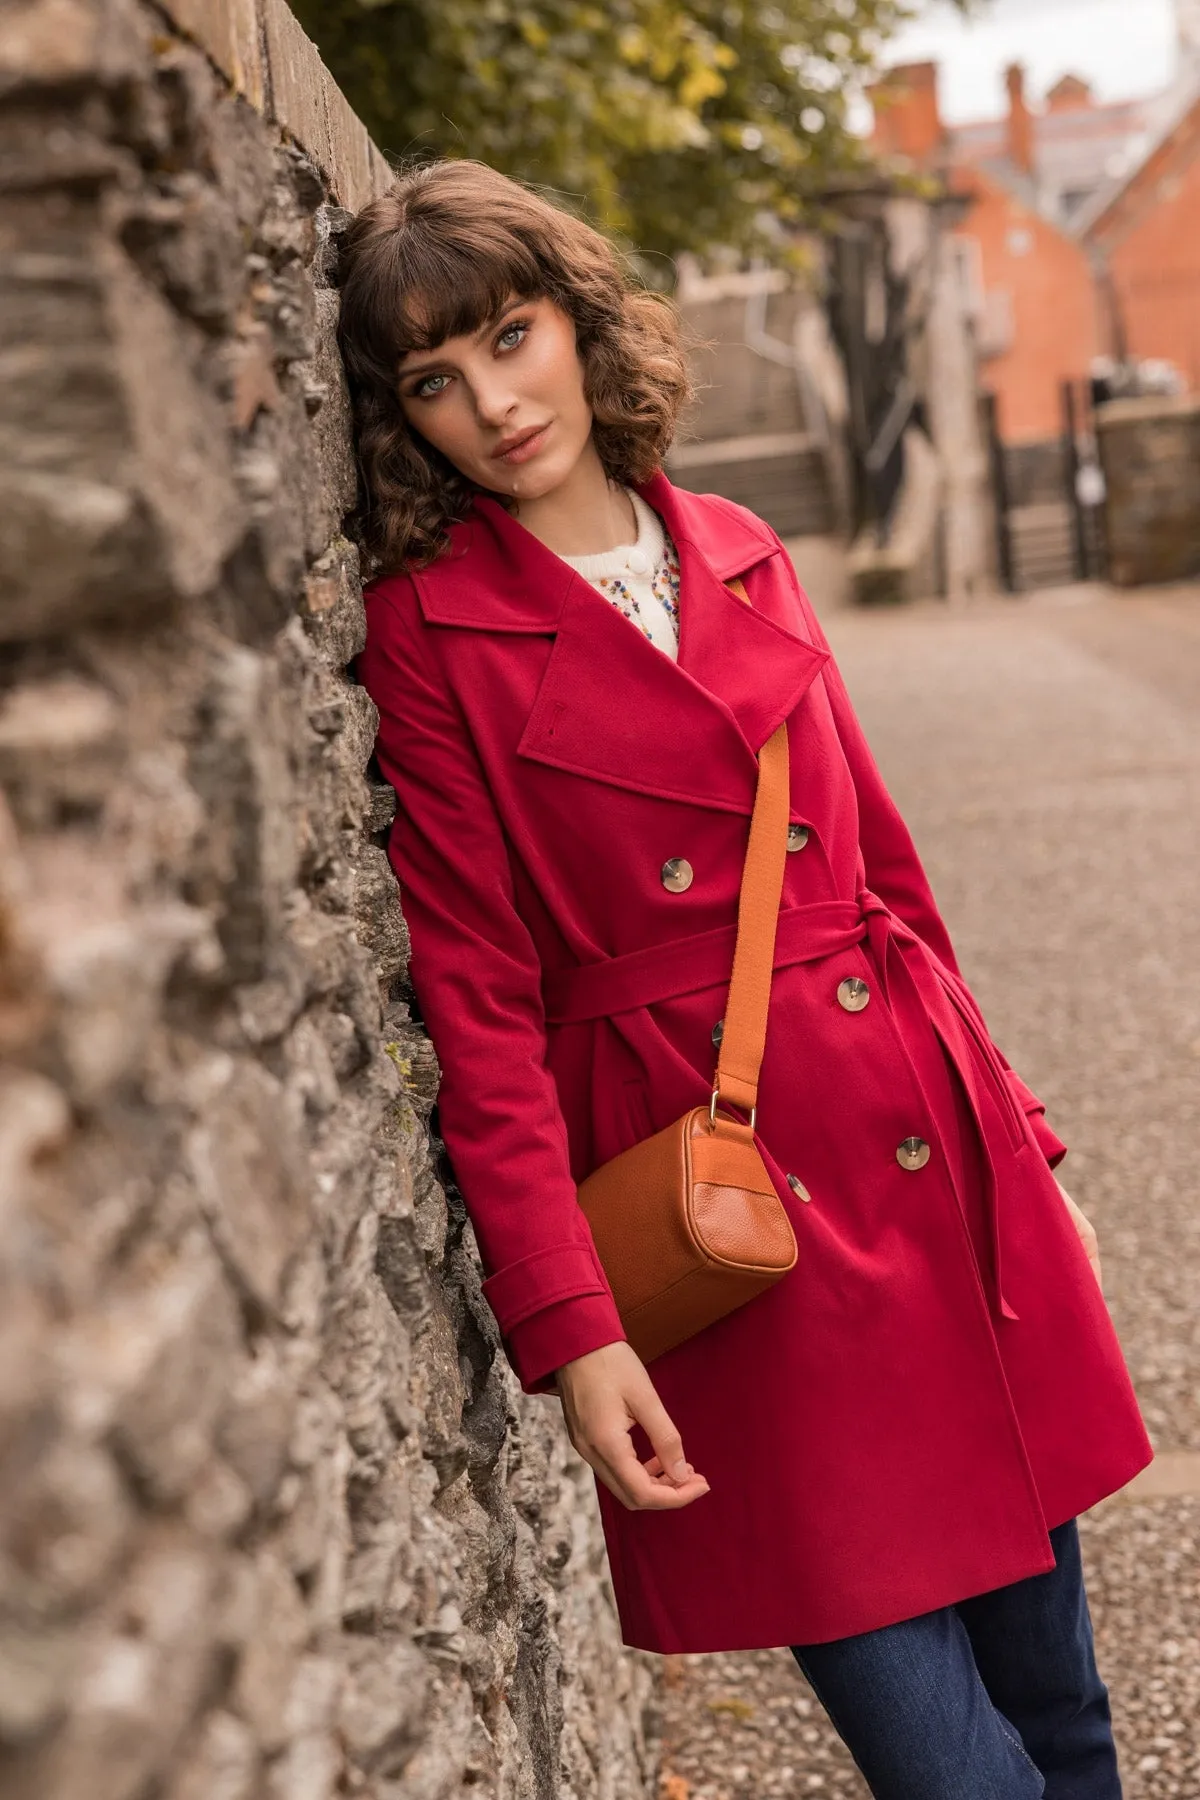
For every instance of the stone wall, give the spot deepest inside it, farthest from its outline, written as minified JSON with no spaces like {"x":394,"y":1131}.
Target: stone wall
{"x":274,"y":1518}
{"x":1150,"y":452}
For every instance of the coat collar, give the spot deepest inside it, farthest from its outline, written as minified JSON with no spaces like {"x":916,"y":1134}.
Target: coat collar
{"x":609,"y":700}
{"x":496,"y":576}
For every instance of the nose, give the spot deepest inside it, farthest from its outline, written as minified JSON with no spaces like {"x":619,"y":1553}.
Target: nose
{"x":494,"y":399}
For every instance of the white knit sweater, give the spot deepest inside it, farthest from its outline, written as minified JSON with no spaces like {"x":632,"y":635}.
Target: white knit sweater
{"x":641,"y":579}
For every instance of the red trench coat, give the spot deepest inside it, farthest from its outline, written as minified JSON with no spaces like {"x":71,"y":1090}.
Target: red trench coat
{"x":897,"y":1423}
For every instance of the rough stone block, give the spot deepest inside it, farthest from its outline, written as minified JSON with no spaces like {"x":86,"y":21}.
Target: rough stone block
{"x":381,"y":806}
{"x":383,"y":1701}
{"x":435,"y":1770}
{"x":132,"y":504}
{"x":220,"y":1764}
{"x":329,"y":428}
{"x":333,"y":609}
{"x":257,"y":1418}
{"x":379,"y":922}
{"x":186,"y":242}
{"x":271,"y":1658}
{"x":239,"y":767}
{"x":246,"y":1162}
{"x":23,"y":1002}
{"x":35,"y":1121}
{"x":315,"y":1536}
{"x":142,"y":1678}
{"x":60,"y":747}
{"x":103,"y":965}
{"x":52,"y":43}
{"x":68,"y":1522}
{"x":312,"y":1760}
{"x":39,"y":1668}
{"x":55,"y":531}
{"x":242,"y":159}
{"x":367,"y":1362}
{"x":177,"y":431}
{"x":288,"y":231}
{"x":151,"y":1368}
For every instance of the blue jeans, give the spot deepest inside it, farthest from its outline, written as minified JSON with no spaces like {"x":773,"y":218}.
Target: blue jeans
{"x":996,"y":1698}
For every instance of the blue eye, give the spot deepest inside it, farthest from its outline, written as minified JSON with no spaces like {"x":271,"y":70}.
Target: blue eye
{"x":510,"y":337}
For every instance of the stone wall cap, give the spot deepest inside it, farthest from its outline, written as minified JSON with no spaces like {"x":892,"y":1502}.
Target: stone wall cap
{"x":1149,"y":406}
{"x":260,"y":48}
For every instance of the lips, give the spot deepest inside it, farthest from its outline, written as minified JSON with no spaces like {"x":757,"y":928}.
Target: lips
{"x":526,"y":443}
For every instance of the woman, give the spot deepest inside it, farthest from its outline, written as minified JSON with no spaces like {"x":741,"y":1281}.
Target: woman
{"x":889,"y":1447}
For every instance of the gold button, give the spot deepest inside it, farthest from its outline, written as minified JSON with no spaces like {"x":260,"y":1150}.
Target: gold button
{"x":913,"y":1153}
{"x":677,"y":874}
{"x":797,"y":837}
{"x":853,"y":993}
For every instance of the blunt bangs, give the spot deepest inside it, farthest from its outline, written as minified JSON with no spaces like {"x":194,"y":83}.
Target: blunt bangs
{"x":452,"y":285}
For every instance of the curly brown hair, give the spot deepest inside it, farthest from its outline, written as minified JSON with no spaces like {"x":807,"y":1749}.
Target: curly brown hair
{"x":440,"y":254}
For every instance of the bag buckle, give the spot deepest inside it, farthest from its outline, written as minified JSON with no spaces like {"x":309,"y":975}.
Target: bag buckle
{"x":712,"y":1111}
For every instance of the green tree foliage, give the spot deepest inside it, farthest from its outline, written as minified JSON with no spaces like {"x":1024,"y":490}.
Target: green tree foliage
{"x":676,"y":124}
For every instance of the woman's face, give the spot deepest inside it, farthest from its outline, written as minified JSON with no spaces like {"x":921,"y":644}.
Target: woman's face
{"x":506,"y":404}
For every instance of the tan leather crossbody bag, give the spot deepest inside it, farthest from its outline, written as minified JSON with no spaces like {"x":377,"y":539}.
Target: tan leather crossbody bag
{"x":687,"y":1223}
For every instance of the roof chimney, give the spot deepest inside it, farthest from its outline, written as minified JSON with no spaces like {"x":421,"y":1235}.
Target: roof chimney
{"x":908,"y":120}
{"x":1071,"y":94}
{"x":1020,"y":121}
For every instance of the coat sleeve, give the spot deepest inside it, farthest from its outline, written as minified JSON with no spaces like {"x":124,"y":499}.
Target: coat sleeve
{"x":895,"y":873}
{"x":476,"y":974}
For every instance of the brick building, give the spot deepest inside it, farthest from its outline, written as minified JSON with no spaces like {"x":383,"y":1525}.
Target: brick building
{"x":1082,"y":232}
{"x":1145,"y":237}
{"x":1040,"y":321}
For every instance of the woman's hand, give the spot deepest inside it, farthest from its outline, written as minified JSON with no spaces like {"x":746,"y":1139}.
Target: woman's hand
{"x":1087,"y":1233}
{"x":603,"y":1394}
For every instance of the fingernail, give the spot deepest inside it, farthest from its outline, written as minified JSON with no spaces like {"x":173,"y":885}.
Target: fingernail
{"x":682,"y":1471}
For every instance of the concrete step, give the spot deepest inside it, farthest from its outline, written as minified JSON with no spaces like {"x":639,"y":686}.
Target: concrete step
{"x":782,"y":476}
{"x":1043,"y":543}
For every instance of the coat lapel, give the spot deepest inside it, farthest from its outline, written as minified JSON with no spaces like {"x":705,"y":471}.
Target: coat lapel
{"x":757,"y":668}
{"x":611,"y":706}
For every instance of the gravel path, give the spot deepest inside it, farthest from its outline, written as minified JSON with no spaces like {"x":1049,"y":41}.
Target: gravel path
{"x":1046,"y":754}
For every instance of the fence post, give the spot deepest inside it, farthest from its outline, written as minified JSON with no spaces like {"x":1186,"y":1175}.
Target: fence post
{"x":1004,"y":542}
{"x":1070,"y":426}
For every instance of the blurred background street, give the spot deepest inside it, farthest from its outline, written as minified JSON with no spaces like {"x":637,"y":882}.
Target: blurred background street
{"x":1046,"y":754}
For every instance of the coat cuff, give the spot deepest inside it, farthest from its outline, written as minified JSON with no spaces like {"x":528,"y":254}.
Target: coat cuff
{"x":559,"y":1272}
{"x":1048,"y":1140}
{"x":551,"y":1307}
{"x":558,"y":1334}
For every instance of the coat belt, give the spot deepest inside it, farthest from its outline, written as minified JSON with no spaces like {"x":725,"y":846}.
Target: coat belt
{"x":618,"y":984}
{"x":704,"y":959}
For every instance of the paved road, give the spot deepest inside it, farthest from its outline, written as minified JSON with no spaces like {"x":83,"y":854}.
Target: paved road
{"x":1046,"y":753}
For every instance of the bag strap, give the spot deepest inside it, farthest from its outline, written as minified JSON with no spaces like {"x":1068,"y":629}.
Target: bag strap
{"x":744,"y":1033}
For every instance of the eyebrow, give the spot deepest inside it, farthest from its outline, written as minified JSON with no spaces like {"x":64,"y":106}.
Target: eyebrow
{"x":406,"y":369}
